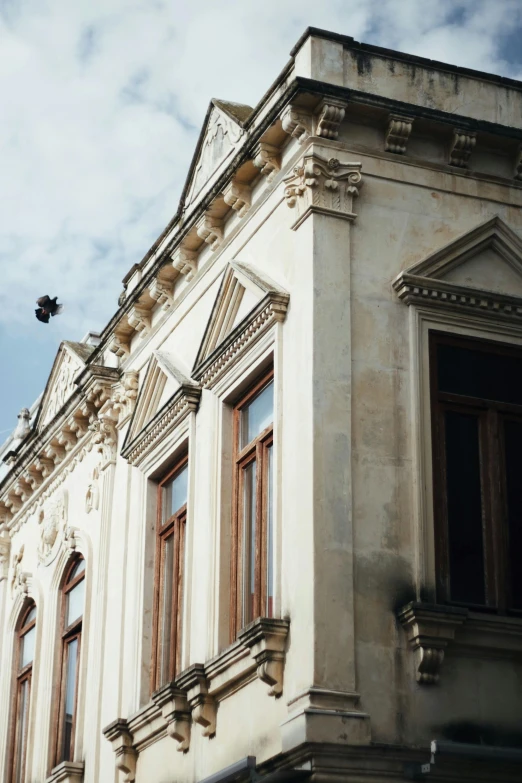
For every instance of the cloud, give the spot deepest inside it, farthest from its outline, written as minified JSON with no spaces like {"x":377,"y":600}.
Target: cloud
{"x":102,"y":101}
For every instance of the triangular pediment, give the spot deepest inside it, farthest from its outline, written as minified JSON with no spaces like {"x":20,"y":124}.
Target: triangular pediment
{"x":163,"y":378}
{"x":221,"y":132}
{"x":487,"y":258}
{"x":70,"y":360}
{"x":242,"y":288}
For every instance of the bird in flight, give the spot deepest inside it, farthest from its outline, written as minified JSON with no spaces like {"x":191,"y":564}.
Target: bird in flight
{"x":47,"y":307}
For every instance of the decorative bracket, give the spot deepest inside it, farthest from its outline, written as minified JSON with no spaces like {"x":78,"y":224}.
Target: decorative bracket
{"x":398,"y":133}
{"x":267,"y":159}
{"x":67,"y":772}
{"x":461,"y":147}
{"x":430,"y":628}
{"x":176,"y":711}
{"x":139,"y":318}
{"x":119,"y":346}
{"x":238,"y":196}
{"x":324,"y":186}
{"x":120,"y":738}
{"x":210,"y":229}
{"x":5,"y":549}
{"x":185,"y":261}
{"x":202,"y":705}
{"x":266,"y":640}
{"x":161,"y":291}
{"x":297,"y":123}
{"x":331,"y":113}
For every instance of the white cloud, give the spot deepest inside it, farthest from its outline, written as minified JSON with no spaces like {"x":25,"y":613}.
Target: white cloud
{"x":102,"y":101}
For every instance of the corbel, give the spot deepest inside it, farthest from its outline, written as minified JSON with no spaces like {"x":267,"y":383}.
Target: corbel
{"x":185,"y":261}
{"x":139,"y":318}
{"x":330,"y":113}
{"x":13,"y":502}
{"x":517,"y":174}
{"x":125,"y":394}
{"x":5,"y":513}
{"x":161,"y":291}
{"x":398,"y":133}
{"x":78,"y":424}
{"x":461,"y":147}
{"x":176,"y":712}
{"x":238,"y":196}
{"x":266,"y":639}
{"x":202,"y":704}
{"x":23,"y":489}
{"x":33,"y":477}
{"x":55,"y":452}
{"x":120,"y":738}
{"x":5,"y":549}
{"x":44,"y":465}
{"x":67,"y":439}
{"x":430,"y":628}
{"x":119,"y":346}
{"x":297,"y":123}
{"x":210,"y":230}
{"x":267,"y":158}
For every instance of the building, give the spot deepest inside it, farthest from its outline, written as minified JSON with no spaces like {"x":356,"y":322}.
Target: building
{"x":267,"y":524}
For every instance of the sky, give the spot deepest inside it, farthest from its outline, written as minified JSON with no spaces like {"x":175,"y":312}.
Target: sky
{"x":101,"y":105}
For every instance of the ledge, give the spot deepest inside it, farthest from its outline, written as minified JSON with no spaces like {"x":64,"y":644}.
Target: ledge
{"x":195,"y":694}
{"x":432,"y":627}
{"x":66,"y":772}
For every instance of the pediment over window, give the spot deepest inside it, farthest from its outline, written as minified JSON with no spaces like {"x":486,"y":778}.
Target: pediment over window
{"x":480,"y":269}
{"x":221,"y":132}
{"x":166,"y":396}
{"x":70,"y":360}
{"x":246,"y":304}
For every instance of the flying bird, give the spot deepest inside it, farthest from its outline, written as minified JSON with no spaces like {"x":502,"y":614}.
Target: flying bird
{"x":47,"y":307}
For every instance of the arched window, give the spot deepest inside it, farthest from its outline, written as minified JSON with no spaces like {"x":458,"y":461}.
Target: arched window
{"x":24,"y":670}
{"x":72,"y":602}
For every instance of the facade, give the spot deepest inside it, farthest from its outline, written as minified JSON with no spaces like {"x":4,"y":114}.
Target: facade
{"x":267,"y":525}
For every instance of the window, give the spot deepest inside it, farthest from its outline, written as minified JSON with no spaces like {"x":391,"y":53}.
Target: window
{"x":476,"y":393}
{"x":73,"y":599}
{"x":24,"y":671}
{"x":253,"y":525}
{"x":170,"y":547}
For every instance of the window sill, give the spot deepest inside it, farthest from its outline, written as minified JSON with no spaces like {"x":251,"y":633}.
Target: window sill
{"x":66,"y":772}
{"x":432,"y":627}
{"x":195,"y":694}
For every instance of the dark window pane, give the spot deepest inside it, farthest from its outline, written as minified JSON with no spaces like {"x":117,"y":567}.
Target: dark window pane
{"x":466,"y":552}
{"x":70,"y":692}
{"x":513,"y":441}
{"x":477,"y":373}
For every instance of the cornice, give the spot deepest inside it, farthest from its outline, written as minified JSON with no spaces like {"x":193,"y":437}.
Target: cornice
{"x":270,"y":310}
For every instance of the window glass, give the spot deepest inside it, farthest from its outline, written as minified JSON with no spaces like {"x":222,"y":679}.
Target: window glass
{"x":175,"y":493}
{"x":480,"y":373}
{"x":75,"y":600}
{"x":27,"y":645}
{"x":70,"y":691}
{"x":464,"y":499}
{"x":270,"y":536}
{"x":78,"y":569}
{"x":166,"y":608}
{"x":31,"y":616}
{"x":257,"y":415}
{"x":249,"y":540}
{"x":23,"y":714}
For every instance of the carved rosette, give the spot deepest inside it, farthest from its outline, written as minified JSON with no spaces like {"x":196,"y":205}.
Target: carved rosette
{"x":297,"y":123}
{"x":323,"y":186}
{"x":461,"y":147}
{"x":398,"y":133}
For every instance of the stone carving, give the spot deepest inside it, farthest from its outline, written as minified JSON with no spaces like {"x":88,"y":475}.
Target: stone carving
{"x":323,"y":186}
{"x":461,"y":147}
{"x":398,"y":133}
{"x":161,"y":291}
{"x":139,"y":318}
{"x":331,"y":113}
{"x":176,"y":712}
{"x":120,"y":738}
{"x":125,"y":393}
{"x":267,"y":158}
{"x":53,"y":521}
{"x":105,"y":438}
{"x":23,"y":427}
{"x":62,"y":386}
{"x":210,"y":229}
{"x":19,"y":578}
{"x":266,"y":640}
{"x":238,"y":195}
{"x":185,"y":261}
{"x":5,"y":549}
{"x":430,"y":628}
{"x":92,"y":498}
{"x":202,"y":705}
{"x":119,"y":346}
{"x":221,"y":134}
{"x":297,"y":122}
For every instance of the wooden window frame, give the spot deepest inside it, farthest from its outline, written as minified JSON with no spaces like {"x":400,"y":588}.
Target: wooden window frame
{"x":491,"y":414}
{"x":23,"y":675}
{"x":67,"y":635}
{"x":255,"y":451}
{"x":175,"y":525}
